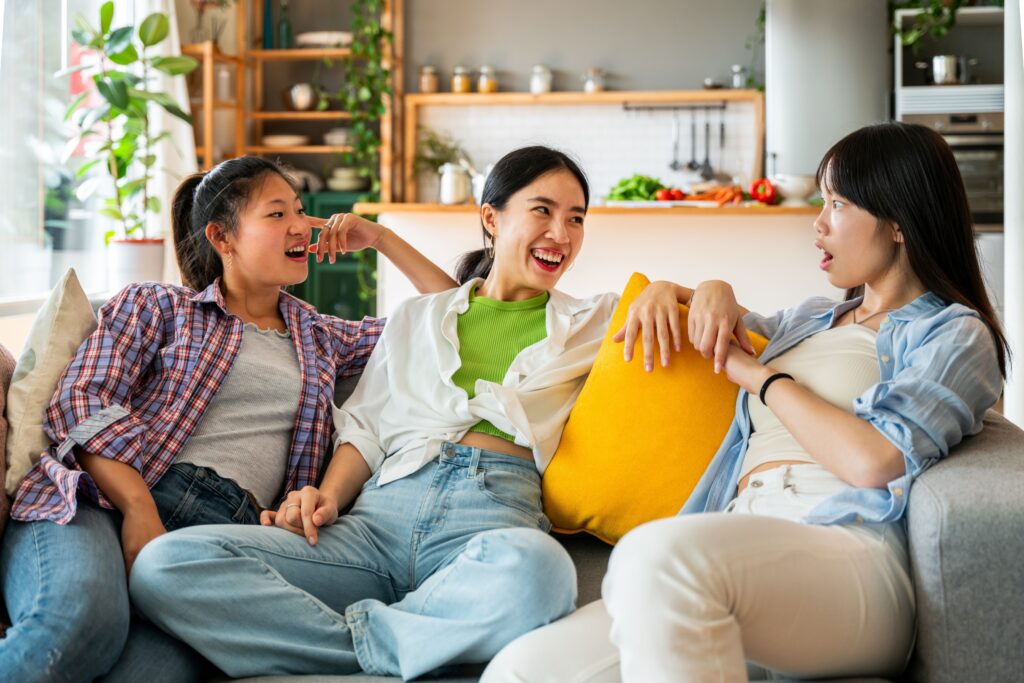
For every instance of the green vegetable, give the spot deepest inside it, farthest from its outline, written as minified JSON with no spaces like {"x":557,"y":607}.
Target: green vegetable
{"x":637,"y":187}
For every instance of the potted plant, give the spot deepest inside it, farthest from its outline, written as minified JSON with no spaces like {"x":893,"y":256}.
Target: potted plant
{"x":114,"y":128}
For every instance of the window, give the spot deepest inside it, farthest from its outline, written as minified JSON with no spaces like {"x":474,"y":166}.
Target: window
{"x":44,"y":228}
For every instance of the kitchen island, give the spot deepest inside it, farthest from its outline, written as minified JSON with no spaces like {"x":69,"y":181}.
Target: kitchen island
{"x":766,"y":252}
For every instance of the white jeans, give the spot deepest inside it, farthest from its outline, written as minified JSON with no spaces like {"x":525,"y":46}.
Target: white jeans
{"x":694,"y":598}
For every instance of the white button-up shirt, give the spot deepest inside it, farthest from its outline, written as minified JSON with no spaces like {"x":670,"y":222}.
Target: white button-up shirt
{"x":406,"y":405}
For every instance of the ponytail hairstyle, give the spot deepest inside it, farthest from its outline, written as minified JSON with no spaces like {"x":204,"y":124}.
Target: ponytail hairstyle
{"x":905,"y":175}
{"x":216,"y":196}
{"x":513,"y":172}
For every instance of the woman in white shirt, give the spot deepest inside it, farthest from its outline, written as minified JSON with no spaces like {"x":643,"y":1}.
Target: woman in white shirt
{"x":443,"y":556}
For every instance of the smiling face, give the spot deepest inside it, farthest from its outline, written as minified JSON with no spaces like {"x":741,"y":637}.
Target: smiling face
{"x":856,"y":248}
{"x":270,"y":247}
{"x":536,"y":236}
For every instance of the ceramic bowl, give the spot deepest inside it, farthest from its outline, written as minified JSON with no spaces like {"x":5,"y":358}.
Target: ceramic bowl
{"x":794,"y":189}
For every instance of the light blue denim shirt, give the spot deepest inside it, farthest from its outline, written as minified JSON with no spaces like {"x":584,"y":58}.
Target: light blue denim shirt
{"x":939,"y":374}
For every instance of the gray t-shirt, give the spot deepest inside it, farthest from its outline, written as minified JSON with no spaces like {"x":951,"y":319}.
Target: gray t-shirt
{"x":246,"y":433}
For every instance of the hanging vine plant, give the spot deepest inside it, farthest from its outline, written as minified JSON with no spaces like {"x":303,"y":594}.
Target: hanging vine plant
{"x":366,"y":82}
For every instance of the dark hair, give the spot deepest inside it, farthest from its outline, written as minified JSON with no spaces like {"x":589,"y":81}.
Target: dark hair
{"x":905,"y":175}
{"x":513,"y":172}
{"x":216,"y":196}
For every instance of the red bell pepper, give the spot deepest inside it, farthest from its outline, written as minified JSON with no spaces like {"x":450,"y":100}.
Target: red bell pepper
{"x":763,"y":191}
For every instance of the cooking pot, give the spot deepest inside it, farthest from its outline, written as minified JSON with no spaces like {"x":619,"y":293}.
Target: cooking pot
{"x":948,"y":69}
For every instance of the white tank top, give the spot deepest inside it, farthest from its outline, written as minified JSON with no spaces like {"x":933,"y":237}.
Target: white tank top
{"x":838,"y":364}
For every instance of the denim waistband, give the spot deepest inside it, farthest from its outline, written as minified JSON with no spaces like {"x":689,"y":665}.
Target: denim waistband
{"x":461,"y":455}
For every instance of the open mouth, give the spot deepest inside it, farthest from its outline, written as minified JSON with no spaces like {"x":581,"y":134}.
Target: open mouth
{"x":297,"y":252}
{"x":548,"y":260}
{"x":826,"y":259}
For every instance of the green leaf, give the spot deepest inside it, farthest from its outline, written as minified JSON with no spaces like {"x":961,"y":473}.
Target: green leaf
{"x":119,"y":40}
{"x":148,"y":160}
{"x":70,"y":70}
{"x":175,"y":66}
{"x":106,"y":16}
{"x":81,"y":38}
{"x":153,"y":205}
{"x":114,"y":92}
{"x":109,"y":235}
{"x":125,"y":57}
{"x":133,"y":186}
{"x":84,"y":168}
{"x":154,"y":28}
{"x":112,"y":213}
{"x":74,"y":105}
{"x":91,"y":116}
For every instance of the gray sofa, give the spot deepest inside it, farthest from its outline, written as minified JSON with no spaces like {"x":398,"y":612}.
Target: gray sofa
{"x":966,"y":531}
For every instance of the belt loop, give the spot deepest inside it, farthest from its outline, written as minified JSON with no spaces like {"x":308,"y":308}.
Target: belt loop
{"x":474,"y":461}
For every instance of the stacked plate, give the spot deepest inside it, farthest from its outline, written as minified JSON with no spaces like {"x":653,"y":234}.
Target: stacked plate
{"x":285,"y":140}
{"x":345,"y":179}
{"x":324,"y":39}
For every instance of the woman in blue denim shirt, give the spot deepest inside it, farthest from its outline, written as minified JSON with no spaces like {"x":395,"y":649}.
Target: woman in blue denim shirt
{"x":798,"y":559}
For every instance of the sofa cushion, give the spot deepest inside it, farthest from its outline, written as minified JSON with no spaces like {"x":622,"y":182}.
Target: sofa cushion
{"x":966,"y":536}
{"x":637,"y":442}
{"x":6,"y":370}
{"x":63,"y":323}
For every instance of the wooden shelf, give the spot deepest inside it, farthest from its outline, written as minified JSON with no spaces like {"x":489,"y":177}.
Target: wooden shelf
{"x":199,"y":50}
{"x":299,"y":115}
{"x":197,"y":102}
{"x":303,"y":149}
{"x":299,"y":54}
{"x":631,"y":97}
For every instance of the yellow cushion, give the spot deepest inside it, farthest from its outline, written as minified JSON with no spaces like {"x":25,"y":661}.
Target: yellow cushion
{"x":637,"y":443}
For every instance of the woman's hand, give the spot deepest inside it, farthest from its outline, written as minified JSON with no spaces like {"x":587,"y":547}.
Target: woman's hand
{"x":138,"y":529}
{"x":342,"y":233}
{"x":714,"y":319}
{"x":655,"y":313}
{"x":303,"y":512}
{"x":743,"y":369}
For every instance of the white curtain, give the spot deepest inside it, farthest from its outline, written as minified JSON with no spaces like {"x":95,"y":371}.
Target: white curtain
{"x":176,"y":156}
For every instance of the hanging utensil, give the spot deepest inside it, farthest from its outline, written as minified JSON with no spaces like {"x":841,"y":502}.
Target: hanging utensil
{"x":675,"y":165}
{"x":692,"y":164}
{"x":706,"y":172}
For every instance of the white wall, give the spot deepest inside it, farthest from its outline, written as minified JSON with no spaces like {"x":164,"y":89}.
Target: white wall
{"x":827,"y":73}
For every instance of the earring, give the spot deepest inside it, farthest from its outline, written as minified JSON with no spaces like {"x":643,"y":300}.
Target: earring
{"x":489,"y":248}
{"x":230,"y":260}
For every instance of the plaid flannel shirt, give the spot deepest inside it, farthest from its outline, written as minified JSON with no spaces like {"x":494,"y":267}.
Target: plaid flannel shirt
{"x":140,"y":384}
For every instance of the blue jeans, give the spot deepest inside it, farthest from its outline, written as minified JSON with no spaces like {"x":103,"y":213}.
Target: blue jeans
{"x":65,"y":589}
{"x":444,"y":566}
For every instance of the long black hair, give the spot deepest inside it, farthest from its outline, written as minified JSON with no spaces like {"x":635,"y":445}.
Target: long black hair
{"x":905,"y":175}
{"x":513,"y":172}
{"x":216,"y":196}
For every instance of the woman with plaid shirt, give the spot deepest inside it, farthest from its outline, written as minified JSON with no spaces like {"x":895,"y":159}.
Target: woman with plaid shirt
{"x":131,"y":455}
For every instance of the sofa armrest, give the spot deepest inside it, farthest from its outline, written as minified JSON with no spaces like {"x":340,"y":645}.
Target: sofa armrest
{"x":965,"y":525}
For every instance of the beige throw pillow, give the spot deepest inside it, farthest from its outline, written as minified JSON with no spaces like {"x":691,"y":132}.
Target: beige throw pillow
{"x":6,"y":370}
{"x":64,"y":322}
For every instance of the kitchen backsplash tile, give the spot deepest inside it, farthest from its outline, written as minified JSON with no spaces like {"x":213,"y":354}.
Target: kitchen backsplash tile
{"x":610,"y":142}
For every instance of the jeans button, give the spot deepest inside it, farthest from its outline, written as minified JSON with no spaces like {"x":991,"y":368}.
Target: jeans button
{"x":757,"y":483}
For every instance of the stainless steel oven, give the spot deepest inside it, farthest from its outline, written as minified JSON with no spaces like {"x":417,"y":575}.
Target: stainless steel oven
{"x":977,"y":144}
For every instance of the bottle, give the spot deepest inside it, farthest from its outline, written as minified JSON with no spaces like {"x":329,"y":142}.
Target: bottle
{"x":593,"y":80}
{"x":268,"y":24}
{"x":488,"y":81}
{"x":428,"y":79}
{"x":461,"y":82}
{"x":285,"y":40}
{"x":540,"y":80}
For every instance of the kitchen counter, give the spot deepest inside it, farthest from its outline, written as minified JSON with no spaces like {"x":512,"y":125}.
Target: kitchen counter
{"x":371,"y":208}
{"x":767,"y":253}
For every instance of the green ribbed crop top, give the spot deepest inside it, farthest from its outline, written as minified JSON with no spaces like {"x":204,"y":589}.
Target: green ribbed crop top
{"x":491,"y":335}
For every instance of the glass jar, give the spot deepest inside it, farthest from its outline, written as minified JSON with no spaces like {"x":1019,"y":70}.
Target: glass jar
{"x":540,"y":80}
{"x":428,"y":79}
{"x":488,"y":81}
{"x":593,"y":80}
{"x":455,"y":184}
{"x":461,"y":82}
{"x":739,"y":76}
